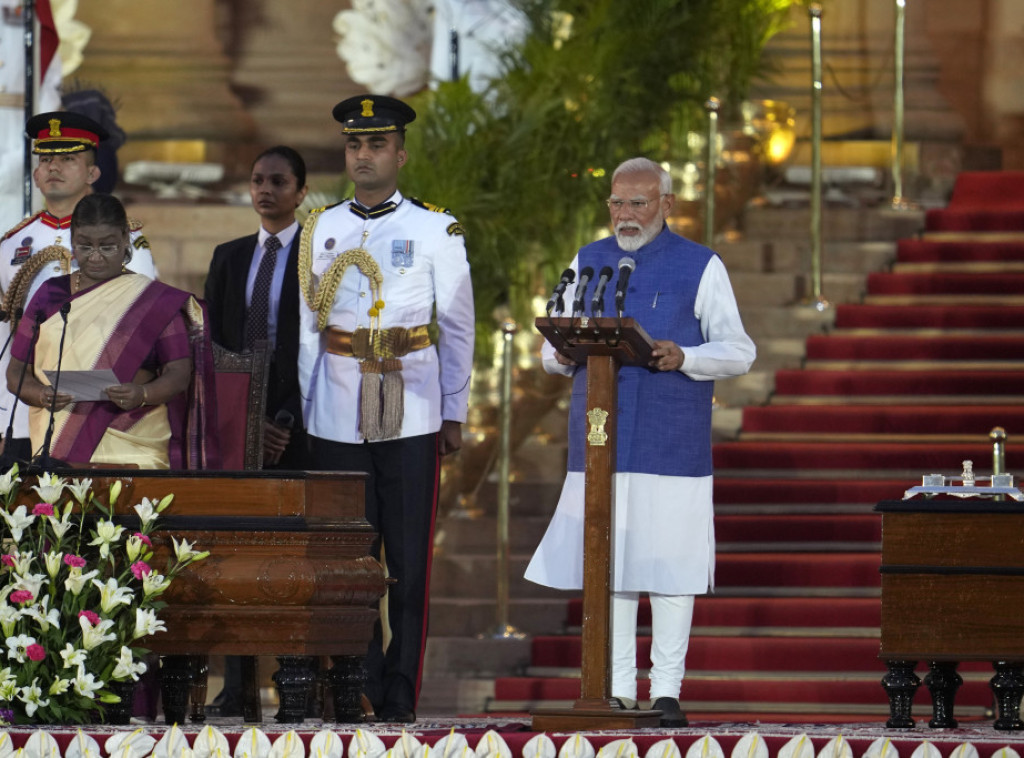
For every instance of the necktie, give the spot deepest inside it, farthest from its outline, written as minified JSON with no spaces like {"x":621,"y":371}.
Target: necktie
{"x":259,"y":304}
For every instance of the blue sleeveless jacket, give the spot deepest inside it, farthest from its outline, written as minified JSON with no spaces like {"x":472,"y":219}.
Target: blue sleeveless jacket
{"x":664,"y":417}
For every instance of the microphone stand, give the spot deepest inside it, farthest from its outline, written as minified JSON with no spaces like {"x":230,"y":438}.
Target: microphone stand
{"x":44,"y":460}
{"x":7,"y":459}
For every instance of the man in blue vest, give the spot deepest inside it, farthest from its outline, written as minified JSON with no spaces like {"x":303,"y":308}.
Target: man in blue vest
{"x":664,"y":540}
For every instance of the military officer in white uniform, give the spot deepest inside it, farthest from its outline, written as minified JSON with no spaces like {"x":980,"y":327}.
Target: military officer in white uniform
{"x":39,"y":248}
{"x":378,"y":396}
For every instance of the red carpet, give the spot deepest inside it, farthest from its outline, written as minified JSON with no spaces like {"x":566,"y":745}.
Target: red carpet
{"x":983,"y":202}
{"x":793,"y":626}
{"x":935,"y":251}
{"x":930,"y":316}
{"x":910,"y":384}
{"x":928,"y":347}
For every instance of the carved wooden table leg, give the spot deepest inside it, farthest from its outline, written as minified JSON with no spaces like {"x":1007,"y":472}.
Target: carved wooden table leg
{"x":900,"y":684}
{"x":294,"y":679}
{"x":1008,"y":686}
{"x":175,"y":685}
{"x":347,"y":678}
{"x":252,"y":708}
{"x":943,"y":681}
{"x":197,"y":692}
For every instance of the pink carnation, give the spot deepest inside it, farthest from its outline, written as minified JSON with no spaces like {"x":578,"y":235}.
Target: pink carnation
{"x":89,"y":616}
{"x":144,"y":539}
{"x":8,"y":560}
{"x":22,"y":596}
{"x":74,"y":561}
{"x":43,"y":509}
{"x":141,"y":569}
{"x":35,"y":652}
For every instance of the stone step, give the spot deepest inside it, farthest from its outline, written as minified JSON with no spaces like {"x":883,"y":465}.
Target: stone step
{"x":847,"y":224}
{"x":470,"y":618}
{"x":794,"y":255}
{"x":783,"y":290}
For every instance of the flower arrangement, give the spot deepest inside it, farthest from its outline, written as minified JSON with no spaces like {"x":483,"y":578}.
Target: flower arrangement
{"x":78,"y":590}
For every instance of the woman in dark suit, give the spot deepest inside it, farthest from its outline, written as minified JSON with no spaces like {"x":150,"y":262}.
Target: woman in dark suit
{"x":252,"y":292}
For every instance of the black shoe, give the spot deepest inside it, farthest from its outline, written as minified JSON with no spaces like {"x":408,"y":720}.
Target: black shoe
{"x":396,"y":715}
{"x":672,"y":716}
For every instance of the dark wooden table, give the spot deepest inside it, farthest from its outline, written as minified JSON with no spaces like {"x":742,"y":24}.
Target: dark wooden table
{"x":289,"y":574}
{"x":952,"y":591}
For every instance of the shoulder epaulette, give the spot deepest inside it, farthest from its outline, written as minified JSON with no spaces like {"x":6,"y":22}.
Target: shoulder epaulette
{"x":134,"y":225}
{"x":20,"y":225}
{"x":429,"y":206}
{"x":328,"y":207}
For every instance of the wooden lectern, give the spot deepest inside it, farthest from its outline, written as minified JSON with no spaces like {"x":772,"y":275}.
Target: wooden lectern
{"x":604,"y":344}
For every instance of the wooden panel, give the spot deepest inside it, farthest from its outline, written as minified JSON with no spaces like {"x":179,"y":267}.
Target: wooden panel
{"x":953,"y":539}
{"x":957,"y":618}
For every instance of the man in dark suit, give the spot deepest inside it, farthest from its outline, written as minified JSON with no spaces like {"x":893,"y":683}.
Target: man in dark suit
{"x":252,"y":291}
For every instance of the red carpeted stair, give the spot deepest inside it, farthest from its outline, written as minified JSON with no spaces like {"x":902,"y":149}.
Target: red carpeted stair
{"x":909,"y":381}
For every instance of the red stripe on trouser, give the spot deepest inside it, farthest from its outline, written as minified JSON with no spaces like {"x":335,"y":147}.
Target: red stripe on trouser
{"x":430,"y":563}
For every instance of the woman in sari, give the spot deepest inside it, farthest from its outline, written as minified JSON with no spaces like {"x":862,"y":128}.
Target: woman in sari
{"x":152,"y":336}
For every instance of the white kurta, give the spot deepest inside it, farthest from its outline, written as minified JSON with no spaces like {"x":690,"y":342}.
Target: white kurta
{"x":664,"y":539}
{"x":15,"y":249}
{"x":422,"y":256}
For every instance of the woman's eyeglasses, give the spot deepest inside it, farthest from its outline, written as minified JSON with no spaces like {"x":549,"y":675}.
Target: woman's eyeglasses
{"x":107,"y":251}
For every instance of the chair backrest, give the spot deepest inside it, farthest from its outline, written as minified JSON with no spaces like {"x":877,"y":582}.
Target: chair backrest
{"x":241,"y":403}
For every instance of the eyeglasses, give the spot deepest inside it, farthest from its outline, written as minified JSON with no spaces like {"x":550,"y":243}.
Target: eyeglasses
{"x":637,"y":205}
{"x":107,"y":251}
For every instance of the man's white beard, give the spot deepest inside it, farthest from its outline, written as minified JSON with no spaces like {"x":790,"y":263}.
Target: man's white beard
{"x":632,"y":243}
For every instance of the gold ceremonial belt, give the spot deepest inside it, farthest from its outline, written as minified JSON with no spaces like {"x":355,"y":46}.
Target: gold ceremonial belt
{"x":391,"y":343}
{"x":12,"y":100}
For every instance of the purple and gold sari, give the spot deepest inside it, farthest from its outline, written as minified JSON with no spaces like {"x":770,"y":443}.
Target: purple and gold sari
{"x":127,"y":324}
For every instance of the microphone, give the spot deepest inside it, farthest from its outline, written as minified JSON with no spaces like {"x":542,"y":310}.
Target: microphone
{"x":581,"y":290}
{"x":7,"y":459}
{"x":597,"y":302}
{"x":556,"y":303}
{"x":626,"y":266}
{"x":44,"y":457}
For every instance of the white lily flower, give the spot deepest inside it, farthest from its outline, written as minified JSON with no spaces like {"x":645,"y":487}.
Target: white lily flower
{"x":146,"y":623}
{"x":93,"y":636}
{"x":106,"y":533}
{"x":112,"y":594}
{"x":79,"y":489}
{"x":86,"y":684}
{"x":31,"y":582}
{"x":8,"y":688}
{"x":44,"y":616}
{"x":32,"y":697}
{"x":127,"y":667}
{"x":183,"y":550}
{"x":61,"y":526}
{"x":22,"y":562}
{"x":73,"y":657}
{"x":53,"y":563}
{"x":9,"y":616}
{"x":50,"y":488}
{"x":133,"y":548}
{"x":16,"y":647}
{"x":154,"y":584}
{"x":18,"y":521}
{"x":76,"y":580}
{"x":59,"y":686}
{"x":8,"y":480}
{"x":147,"y":511}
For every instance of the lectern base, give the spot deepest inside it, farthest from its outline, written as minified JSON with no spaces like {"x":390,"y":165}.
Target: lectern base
{"x":588,"y":717}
